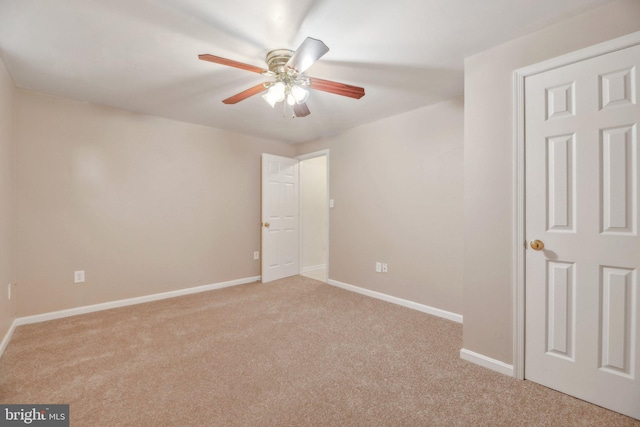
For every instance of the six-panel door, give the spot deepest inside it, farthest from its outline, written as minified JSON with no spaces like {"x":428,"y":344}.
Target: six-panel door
{"x":582,"y":192}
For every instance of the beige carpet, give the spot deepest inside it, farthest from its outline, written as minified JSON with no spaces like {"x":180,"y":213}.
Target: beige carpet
{"x":290,"y":353}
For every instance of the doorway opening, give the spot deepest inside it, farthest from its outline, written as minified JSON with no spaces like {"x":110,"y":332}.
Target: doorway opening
{"x":314,"y":215}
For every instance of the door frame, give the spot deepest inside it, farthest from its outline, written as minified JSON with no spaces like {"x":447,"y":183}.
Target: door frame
{"x":301,"y":225}
{"x":519,"y":212}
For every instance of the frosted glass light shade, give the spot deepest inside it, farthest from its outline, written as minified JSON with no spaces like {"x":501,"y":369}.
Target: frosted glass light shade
{"x":299,"y":94}
{"x":275,"y":94}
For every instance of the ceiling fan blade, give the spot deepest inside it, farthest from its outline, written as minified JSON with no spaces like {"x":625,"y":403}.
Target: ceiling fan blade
{"x":301,"y":110}
{"x":231,"y":63}
{"x":246,"y":94}
{"x":337,"y":88}
{"x":309,"y":52}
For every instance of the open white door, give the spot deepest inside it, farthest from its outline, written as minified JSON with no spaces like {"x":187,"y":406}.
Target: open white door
{"x":280,"y":221}
{"x":583,"y":255}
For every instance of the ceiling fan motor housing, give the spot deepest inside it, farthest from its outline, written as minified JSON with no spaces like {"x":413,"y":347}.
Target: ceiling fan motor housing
{"x":277,"y":60}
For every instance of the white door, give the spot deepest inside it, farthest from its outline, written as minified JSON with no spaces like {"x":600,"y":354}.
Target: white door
{"x":280,"y":228}
{"x":582,"y":192}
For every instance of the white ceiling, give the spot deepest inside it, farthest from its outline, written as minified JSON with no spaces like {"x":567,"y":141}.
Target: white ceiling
{"x":142,"y":55}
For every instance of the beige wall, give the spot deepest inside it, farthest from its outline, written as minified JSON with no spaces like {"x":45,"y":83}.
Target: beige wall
{"x":142,"y":204}
{"x":488,"y":171}
{"x":313,"y":215}
{"x":147,"y":205}
{"x":7,"y":99}
{"x":397,"y":186}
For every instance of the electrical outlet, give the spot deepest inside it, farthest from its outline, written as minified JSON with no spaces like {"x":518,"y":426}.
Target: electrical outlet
{"x":256,"y":255}
{"x":378,"y":267}
{"x":78,"y":276}
{"x":331,"y":203}
{"x":385,"y":269}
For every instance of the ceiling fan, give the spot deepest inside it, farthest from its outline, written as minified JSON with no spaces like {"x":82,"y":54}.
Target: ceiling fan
{"x":287,"y":68}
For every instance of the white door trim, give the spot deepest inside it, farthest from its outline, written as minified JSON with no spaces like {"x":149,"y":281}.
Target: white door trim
{"x":519,"y":241}
{"x":300,"y":159}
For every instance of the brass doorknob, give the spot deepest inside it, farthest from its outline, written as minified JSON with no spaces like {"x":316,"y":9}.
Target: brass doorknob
{"x":265,"y":224}
{"x":537,"y":245}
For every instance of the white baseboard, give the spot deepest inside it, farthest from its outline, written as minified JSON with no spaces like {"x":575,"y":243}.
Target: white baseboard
{"x":312,"y":268}
{"x":7,"y":337}
{"x":486,"y":362}
{"x":399,"y":301}
{"x":115,"y":304}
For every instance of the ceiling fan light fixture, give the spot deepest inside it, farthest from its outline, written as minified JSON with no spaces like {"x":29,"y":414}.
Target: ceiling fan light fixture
{"x":299,"y":94}
{"x":275,"y":94}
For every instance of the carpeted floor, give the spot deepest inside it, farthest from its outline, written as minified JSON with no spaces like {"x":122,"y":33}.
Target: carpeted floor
{"x":294,"y":352}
